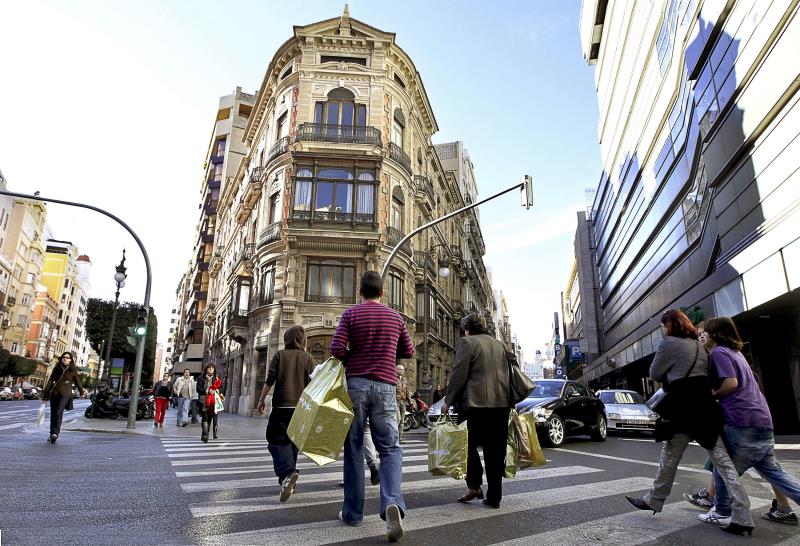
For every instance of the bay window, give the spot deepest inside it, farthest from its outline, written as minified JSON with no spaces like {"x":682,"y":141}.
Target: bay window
{"x":334,"y":195}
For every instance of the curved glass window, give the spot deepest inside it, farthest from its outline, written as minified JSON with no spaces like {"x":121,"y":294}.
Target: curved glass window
{"x":336,"y":173}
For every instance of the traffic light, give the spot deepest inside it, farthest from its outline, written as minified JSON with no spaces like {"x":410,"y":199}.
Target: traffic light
{"x":131,"y":337}
{"x":141,"y":322}
{"x":527,"y":191}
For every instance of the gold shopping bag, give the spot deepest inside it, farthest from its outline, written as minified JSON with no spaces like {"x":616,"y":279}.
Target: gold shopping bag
{"x":529,"y":452}
{"x":323,"y":415}
{"x":512,"y":458}
{"x":447,"y":449}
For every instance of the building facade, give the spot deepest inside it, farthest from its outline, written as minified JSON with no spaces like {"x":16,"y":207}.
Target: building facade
{"x":336,"y":166}
{"x":697,"y":205}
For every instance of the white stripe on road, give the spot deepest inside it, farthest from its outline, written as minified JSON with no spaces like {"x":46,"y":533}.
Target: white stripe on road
{"x":326,"y":532}
{"x":629,"y":528}
{"x":201,"y":452}
{"x":266,"y":482}
{"x":269,"y":468}
{"x":313,"y":498}
{"x":9,"y":427}
{"x":226,"y":460}
{"x":252,"y":451}
{"x":623,"y":459}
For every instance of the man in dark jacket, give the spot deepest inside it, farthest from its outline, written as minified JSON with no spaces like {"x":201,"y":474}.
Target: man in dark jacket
{"x":290,"y":372}
{"x":480,"y":376}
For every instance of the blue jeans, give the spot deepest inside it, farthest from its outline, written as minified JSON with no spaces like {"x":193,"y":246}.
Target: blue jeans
{"x":751,"y":447}
{"x":378,"y":402}
{"x":183,"y":409}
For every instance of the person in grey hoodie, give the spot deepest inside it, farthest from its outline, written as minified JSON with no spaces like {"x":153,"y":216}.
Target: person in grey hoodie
{"x":289,"y":371}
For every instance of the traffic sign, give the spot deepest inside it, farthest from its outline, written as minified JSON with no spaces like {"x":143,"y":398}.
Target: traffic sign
{"x":559,"y":371}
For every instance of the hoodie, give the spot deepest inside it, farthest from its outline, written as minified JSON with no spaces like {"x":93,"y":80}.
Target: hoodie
{"x":290,"y":369}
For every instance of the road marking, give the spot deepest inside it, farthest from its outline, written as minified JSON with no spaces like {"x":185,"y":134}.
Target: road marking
{"x":623,"y":459}
{"x":326,"y":532}
{"x":200,"y":452}
{"x":252,"y":451}
{"x":269,"y":468}
{"x":650,"y":440}
{"x":15,"y":425}
{"x":261,"y":458}
{"x":266,"y":482}
{"x":314,"y":498}
{"x":629,"y":528}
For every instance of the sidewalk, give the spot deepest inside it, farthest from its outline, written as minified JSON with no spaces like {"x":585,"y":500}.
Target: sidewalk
{"x":230,"y":426}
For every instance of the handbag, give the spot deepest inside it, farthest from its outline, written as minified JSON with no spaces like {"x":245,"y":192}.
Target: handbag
{"x":519,"y":384}
{"x":661,"y":400}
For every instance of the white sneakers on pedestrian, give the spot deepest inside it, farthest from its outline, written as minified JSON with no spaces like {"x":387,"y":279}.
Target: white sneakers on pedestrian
{"x":714,"y":518}
{"x":394,"y":523}
{"x":287,"y":486}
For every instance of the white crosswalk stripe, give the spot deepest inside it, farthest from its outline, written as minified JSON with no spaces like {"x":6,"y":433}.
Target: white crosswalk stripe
{"x":235,"y":479}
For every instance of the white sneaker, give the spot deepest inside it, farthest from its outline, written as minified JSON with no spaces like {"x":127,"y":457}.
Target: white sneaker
{"x":715,"y":519}
{"x":394,"y":523}
{"x":287,"y":487}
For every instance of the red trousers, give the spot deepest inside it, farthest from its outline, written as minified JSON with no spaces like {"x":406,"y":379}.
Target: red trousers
{"x":161,"y":409}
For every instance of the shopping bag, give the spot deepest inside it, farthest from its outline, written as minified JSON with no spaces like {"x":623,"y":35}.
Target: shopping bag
{"x":40,"y":415}
{"x":512,"y":458}
{"x":219,"y":407}
{"x":529,"y":452}
{"x":323,"y":415}
{"x":447,"y":449}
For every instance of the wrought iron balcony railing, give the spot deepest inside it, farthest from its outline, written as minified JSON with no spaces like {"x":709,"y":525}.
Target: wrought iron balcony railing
{"x":278,"y":149}
{"x":270,"y":234}
{"x":396,"y":153}
{"x":346,"y":300}
{"x":394,"y":236}
{"x":349,"y":134}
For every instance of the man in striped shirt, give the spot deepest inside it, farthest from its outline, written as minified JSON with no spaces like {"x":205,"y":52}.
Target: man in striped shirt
{"x":369,"y":340}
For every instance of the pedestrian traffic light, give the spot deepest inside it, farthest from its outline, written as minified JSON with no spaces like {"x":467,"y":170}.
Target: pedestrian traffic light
{"x":131,"y":337}
{"x":141,"y":322}
{"x":527,"y":191}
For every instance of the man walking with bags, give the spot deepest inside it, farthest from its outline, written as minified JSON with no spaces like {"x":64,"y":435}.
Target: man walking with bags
{"x":369,"y":340}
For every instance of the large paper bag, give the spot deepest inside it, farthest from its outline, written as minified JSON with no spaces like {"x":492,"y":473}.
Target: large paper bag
{"x":447,"y":449}
{"x":323,"y":415}
{"x":529,"y":452}
{"x":512,"y":458}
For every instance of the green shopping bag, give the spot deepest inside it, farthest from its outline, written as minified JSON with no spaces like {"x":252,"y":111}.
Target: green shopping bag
{"x":447,"y":449}
{"x":323,"y":415}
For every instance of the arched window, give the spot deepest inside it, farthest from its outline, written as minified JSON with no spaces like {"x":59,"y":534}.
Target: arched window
{"x":340,"y":110}
{"x":398,"y":205}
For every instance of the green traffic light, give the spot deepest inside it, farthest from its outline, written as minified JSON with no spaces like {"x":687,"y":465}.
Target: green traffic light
{"x":140,"y":330}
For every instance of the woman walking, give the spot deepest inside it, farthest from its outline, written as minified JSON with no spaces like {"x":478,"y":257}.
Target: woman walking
{"x":58,"y":390}
{"x":207,"y":386}
{"x":162,"y":391}
{"x":681,"y":365}
{"x":748,"y":426}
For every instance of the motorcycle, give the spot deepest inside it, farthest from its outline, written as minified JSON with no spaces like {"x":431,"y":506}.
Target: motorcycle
{"x":145,"y":407}
{"x":101,"y":405}
{"x":416,"y":413}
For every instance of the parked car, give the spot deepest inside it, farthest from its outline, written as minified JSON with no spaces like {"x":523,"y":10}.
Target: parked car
{"x":31,"y":393}
{"x":625,"y":410}
{"x":565,"y":408}
{"x":5,"y":393}
{"x":435,"y":411}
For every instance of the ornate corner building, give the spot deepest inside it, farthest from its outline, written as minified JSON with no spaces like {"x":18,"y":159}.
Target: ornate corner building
{"x":310,"y":183}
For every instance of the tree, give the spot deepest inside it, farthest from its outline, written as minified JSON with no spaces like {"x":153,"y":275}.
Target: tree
{"x":21,"y":366}
{"x":98,"y":321}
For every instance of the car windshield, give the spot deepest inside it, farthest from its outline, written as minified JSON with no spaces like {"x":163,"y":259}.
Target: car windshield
{"x":621,"y":397}
{"x":546,"y":390}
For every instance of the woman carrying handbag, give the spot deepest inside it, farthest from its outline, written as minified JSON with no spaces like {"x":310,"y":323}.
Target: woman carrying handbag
{"x":208,"y":387}
{"x":58,"y":391}
{"x":688,"y":412}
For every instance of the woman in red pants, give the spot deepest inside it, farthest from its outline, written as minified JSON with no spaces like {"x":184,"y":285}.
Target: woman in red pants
{"x":162,"y":391}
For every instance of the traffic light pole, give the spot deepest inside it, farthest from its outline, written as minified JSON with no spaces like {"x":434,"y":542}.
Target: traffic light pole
{"x":137,"y":370}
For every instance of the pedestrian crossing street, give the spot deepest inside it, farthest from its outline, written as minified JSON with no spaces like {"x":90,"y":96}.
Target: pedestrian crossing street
{"x":232,"y":494}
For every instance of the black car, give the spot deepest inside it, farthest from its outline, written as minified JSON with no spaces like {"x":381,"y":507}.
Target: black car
{"x":565,"y":408}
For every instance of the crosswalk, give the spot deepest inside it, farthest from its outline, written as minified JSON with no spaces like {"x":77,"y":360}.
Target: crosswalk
{"x":232,"y":494}
{"x":16,"y":416}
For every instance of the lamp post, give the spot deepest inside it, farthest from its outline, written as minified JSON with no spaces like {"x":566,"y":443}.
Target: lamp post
{"x":444,"y":272}
{"x":119,"y":278}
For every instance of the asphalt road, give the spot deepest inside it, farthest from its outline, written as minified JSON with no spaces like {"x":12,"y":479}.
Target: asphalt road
{"x":104,"y":488}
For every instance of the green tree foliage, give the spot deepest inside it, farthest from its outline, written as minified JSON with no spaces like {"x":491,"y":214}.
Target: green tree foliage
{"x":98,"y":322}
{"x":5,"y":361}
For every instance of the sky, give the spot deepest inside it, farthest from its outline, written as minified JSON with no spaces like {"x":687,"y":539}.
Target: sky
{"x":113,"y":103}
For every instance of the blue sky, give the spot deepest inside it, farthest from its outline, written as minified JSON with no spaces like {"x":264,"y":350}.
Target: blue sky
{"x":113,"y":103}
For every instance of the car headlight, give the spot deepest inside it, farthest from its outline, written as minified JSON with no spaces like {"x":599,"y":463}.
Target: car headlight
{"x":613,"y":415}
{"x":652,"y":415}
{"x":540,"y":415}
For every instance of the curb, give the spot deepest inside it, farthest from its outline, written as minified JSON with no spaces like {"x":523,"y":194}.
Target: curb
{"x":106,"y":431}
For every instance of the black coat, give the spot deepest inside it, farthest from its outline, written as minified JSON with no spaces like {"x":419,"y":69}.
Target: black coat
{"x":692,"y":410}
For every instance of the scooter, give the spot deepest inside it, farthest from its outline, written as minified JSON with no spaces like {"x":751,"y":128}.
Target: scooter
{"x":416,"y":413}
{"x":145,"y":407}
{"x":101,"y":406}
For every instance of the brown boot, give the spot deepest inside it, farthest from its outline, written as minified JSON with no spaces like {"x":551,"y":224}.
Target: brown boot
{"x":471,"y":495}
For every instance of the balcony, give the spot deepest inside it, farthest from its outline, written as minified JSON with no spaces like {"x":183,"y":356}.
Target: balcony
{"x":394,"y":236}
{"x":278,"y":149}
{"x":216,"y":264}
{"x":218,"y":158}
{"x":425,"y":261}
{"x":397,"y":154}
{"x":456,"y":256}
{"x":238,"y":325}
{"x":270,"y":234}
{"x":423,"y":193}
{"x":210,"y":311}
{"x":246,"y":253}
{"x":358,"y":219}
{"x":345,"y":134}
{"x":11,"y":301}
{"x":344,"y":300}
{"x":210,"y":207}
{"x":458,"y":307}
{"x":191,"y":326}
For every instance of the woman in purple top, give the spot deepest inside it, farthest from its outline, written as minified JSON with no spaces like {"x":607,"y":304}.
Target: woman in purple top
{"x":748,"y":422}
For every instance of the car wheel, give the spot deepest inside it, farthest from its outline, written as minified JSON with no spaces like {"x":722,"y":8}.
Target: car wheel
{"x":601,"y":429}
{"x":555,"y":431}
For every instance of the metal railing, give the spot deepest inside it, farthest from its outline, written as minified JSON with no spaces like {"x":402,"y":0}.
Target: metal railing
{"x":257,"y":174}
{"x":278,"y":149}
{"x":270,"y":234}
{"x":349,"y":134}
{"x":394,"y":236}
{"x":423,"y":185}
{"x":396,"y":153}
{"x":424,"y":260}
{"x":347,"y":300}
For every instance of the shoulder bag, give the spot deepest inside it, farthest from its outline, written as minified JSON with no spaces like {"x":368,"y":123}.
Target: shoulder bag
{"x":519,"y":384}
{"x":661,"y":399}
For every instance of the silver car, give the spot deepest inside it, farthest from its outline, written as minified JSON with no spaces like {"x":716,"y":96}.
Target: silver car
{"x":625,"y":410}
{"x":435,"y":411}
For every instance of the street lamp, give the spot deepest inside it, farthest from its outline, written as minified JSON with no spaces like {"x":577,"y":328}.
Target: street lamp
{"x":423,"y":378}
{"x":119,"y":278}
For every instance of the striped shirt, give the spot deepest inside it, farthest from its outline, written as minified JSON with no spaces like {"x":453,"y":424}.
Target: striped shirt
{"x":369,"y":340}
